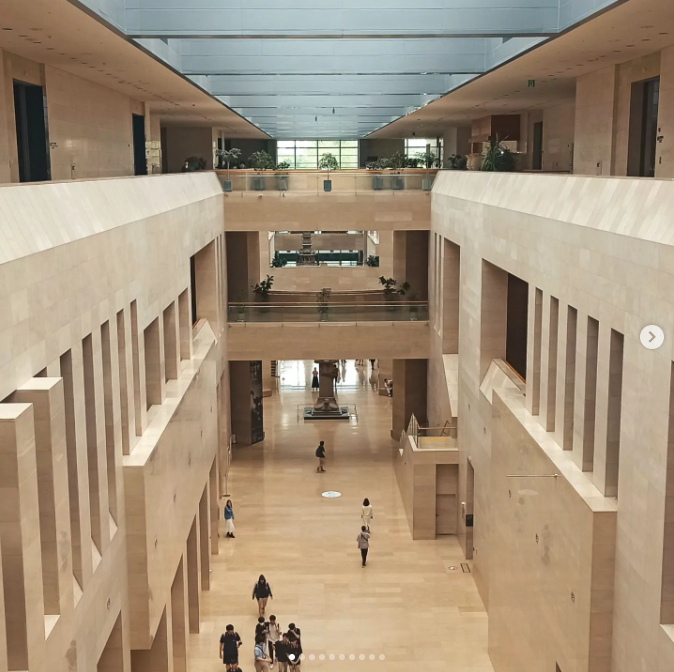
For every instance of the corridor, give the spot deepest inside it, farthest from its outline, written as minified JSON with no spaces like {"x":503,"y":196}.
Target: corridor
{"x":406,"y":605}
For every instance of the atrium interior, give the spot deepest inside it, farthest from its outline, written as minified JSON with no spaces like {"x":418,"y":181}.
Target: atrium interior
{"x":373,"y":299}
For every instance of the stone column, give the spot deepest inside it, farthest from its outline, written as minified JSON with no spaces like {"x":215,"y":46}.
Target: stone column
{"x":409,"y":393}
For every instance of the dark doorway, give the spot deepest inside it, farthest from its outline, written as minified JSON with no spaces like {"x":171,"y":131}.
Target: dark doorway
{"x":220,"y":148}
{"x":193,"y":285}
{"x":139,"y":160}
{"x":643,"y":129}
{"x":30,"y":112}
{"x":538,"y":146}
{"x":516,"y":329}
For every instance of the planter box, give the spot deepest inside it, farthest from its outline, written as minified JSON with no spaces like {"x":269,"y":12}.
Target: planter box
{"x":282,"y":182}
{"x":227,"y":185}
{"x":397,"y":183}
{"x":377,"y":182}
{"x":258,"y":183}
{"x":327,"y":185}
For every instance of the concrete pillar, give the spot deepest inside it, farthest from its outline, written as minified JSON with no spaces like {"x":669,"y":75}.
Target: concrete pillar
{"x":239,"y":381}
{"x":243,"y":264}
{"x":159,"y":657}
{"x":205,"y":538}
{"x":410,"y":261}
{"x":20,"y":539}
{"x":171,"y":342}
{"x":46,"y":396}
{"x":193,"y":577}
{"x":179,"y":619}
{"x":409,"y":393}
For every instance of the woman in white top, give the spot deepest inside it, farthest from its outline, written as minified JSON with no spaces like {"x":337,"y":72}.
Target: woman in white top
{"x":367,"y":515}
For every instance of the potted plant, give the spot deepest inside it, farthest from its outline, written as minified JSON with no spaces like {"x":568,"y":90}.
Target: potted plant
{"x":456,"y":162}
{"x":261,"y":289}
{"x":397,"y":163}
{"x":428,"y":159}
{"x":372,"y":261}
{"x":241,"y":308}
{"x":277,"y":262}
{"x":497,"y":157}
{"x":282,"y":176}
{"x":228,"y":156}
{"x":323,"y":306}
{"x":377,"y":180}
{"x":328,"y":162}
{"x":260,"y":161}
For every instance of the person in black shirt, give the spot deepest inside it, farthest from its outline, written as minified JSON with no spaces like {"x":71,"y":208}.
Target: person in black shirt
{"x":261,"y":593}
{"x":229,"y":648}
{"x":294,"y":652}
{"x":320,"y":454}
{"x":282,"y":647}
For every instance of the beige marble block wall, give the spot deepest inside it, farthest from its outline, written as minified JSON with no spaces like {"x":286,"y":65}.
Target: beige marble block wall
{"x":664,"y":163}
{"x":601,"y":246}
{"x":593,"y":132}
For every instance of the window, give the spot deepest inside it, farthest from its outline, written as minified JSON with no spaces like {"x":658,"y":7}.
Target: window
{"x":414,"y":146}
{"x":305,"y":154}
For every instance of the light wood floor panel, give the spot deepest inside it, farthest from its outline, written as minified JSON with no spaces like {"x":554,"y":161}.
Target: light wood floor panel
{"x":406,"y":605}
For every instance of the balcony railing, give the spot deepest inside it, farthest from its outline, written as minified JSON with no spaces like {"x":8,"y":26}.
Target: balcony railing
{"x":398,"y":311}
{"x":318,"y":181}
{"x":427,"y":438}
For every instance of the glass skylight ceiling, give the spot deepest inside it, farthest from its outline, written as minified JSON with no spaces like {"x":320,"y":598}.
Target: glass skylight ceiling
{"x":336,"y":68}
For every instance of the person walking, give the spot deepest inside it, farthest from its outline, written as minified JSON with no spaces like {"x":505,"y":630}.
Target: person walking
{"x":367,"y":514}
{"x":229,"y":648}
{"x":363,"y":540}
{"x":315,"y":385}
{"x":273,"y":636}
{"x":260,"y":651}
{"x":229,"y":519}
{"x":282,"y":647}
{"x":261,"y":593}
{"x":320,"y":454}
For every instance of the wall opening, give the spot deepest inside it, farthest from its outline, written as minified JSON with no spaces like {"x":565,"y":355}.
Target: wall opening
{"x":139,"y":160}
{"x":568,"y":402}
{"x":109,"y":406}
{"x":551,"y":383}
{"x":537,"y":159}
{"x":667,"y":588}
{"x":613,"y":415}
{"x":451,"y":290}
{"x":112,"y":658}
{"x":66,"y":363}
{"x":184,"y":325}
{"x":193,"y":582}
{"x":193,"y":287}
{"x":32,"y":138}
{"x":590,"y":394}
{"x":135,"y":358}
{"x":123,"y":383}
{"x":92,"y":442}
{"x":643,"y":128}
{"x":517,"y":324}
{"x":171,"y":356}
{"x":536,"y":353}
{"x":153,"y":369}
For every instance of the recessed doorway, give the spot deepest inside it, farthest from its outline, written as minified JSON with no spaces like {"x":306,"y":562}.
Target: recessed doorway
{"x":32,"y":141}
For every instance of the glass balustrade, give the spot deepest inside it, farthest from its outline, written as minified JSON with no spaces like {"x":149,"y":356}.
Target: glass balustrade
{"x":403,"y":311}
{"x":319,"y":182}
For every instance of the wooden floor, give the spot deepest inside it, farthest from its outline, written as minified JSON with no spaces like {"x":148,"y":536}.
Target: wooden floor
{"x":406,"y":605}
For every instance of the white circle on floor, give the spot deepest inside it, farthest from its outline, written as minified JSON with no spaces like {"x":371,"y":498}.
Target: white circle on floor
{"x":331,"y":494}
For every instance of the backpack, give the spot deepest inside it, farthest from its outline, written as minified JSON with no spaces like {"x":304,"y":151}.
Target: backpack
{"x":319,"y":452}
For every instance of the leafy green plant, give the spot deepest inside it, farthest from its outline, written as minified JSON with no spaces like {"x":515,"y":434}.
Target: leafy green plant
{"x":412,"y":162}
{"x":404,"y":288}
{"x":328,"y":162}
{"x":427,"y":158}
{"x":277,"y":262}
{"x":260,"y":161}
{"x":228,"y":156}
{"x":262,"y":288}
{"x":284,"y":165}
{"x":379,"y":164}
{"x":397,"y":161}
{"x":322,"y":298}
{"x":456,"y":162}
{"x":388,"y":284}
{"x":497,"y":157}
{"x":372,"y":261}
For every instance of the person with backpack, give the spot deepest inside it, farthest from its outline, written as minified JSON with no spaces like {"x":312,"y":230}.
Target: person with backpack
{"x":273,"y":636}
{"x":363,"y":540}
{"x":261,"y":593}
{"x":294,"y":651}
{"x":320,"y":454}
{"x":260,"y":652}
{"x":229,"y":648}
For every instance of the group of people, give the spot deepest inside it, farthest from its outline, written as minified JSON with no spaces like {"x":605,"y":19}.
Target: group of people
{"x":271,"y":645}
{"x":363,"y":538}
